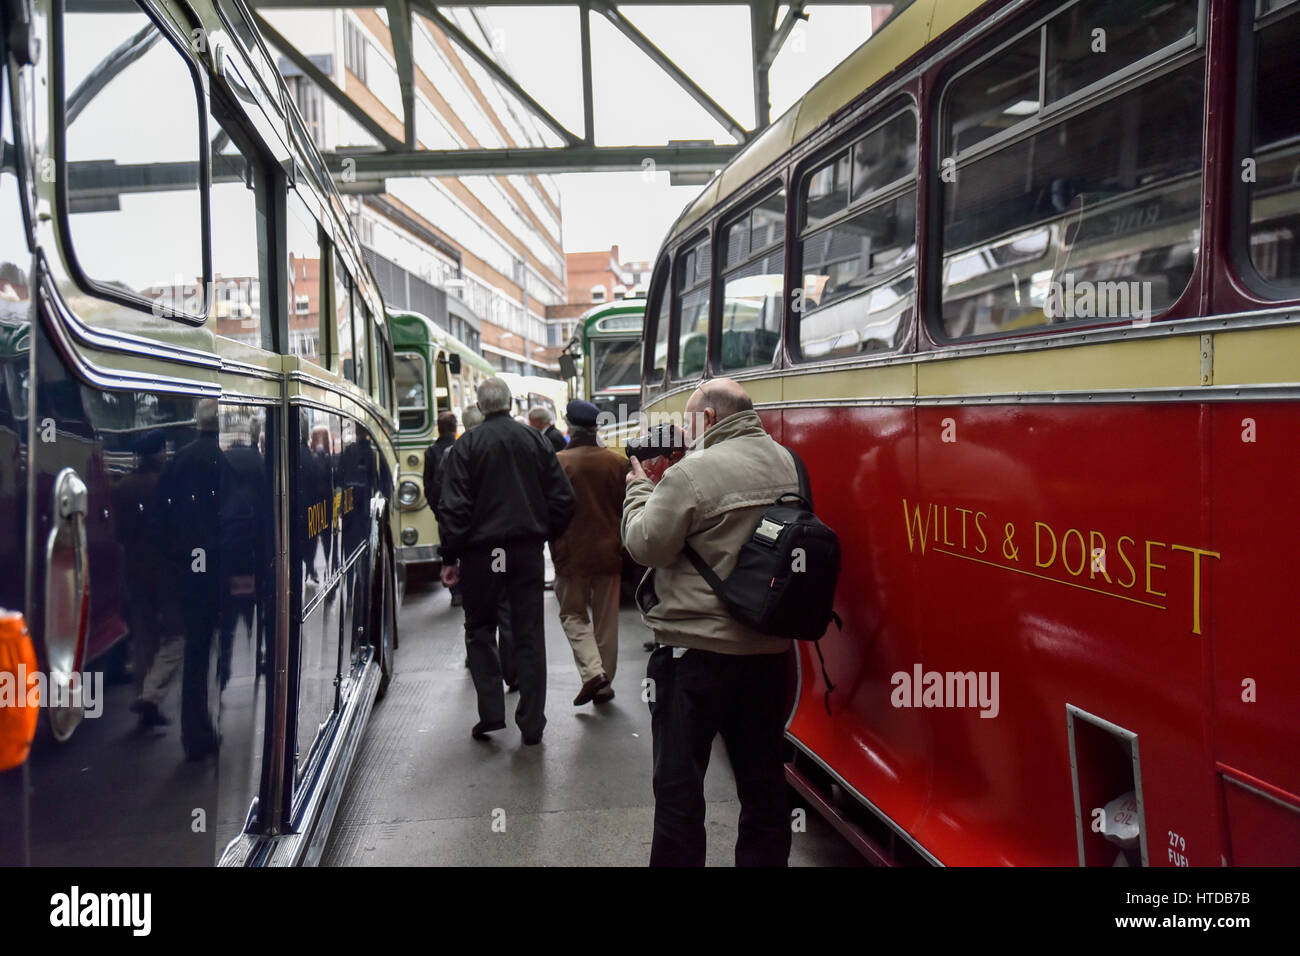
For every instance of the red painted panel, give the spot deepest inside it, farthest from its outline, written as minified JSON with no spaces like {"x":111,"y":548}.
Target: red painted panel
{"x":1013,"y":502}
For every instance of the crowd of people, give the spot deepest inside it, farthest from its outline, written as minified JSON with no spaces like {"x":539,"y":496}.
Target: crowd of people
{"x":504,"y":489}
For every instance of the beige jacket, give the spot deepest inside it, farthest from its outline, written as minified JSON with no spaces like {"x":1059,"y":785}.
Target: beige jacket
{"x":712,"y":498}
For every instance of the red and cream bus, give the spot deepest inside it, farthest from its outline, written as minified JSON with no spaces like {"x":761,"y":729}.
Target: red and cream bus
{"x":1020,"y":281}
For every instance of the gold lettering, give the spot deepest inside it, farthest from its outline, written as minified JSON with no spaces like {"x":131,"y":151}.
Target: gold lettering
{"x":945,"y":527}
{"x":1196,"y":554}
{"x":984,"y":546}
{"x":1083,"y":552}
{"x":1151,"y":564}
{"x":1094,"y":563}
{"x":922,"y":530}
{"x":963,"y":512}
{"x":1038,"y":550}
{"x":1132,"y":574}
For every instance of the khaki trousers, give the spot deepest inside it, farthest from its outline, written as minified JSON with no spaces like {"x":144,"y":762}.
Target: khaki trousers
{"x":594,"y":635}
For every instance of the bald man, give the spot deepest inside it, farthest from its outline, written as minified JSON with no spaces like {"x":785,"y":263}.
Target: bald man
{"x":711,"y":674}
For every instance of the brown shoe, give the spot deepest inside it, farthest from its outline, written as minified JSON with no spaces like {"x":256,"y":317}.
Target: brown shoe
{"x":590,"y":689}
{"x":604,"y":696}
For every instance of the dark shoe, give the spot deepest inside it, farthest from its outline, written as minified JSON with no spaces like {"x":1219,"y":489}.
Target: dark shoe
{"x":604,"y":696}
{"x":532,"y":741}
{"x":485,"y":727}
{"x":590,"y":689}
{"x":648,"y":646}
{"x":512,"y":688}
{"x":150,"y":715}
{"x":457,"y":600}
{"x":207,"y":747}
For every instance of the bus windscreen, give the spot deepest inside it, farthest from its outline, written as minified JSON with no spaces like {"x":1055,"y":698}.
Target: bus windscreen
{"x":615,"y":362}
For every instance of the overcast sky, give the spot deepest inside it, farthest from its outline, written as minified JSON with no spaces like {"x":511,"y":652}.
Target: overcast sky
{"x":637,"y":104}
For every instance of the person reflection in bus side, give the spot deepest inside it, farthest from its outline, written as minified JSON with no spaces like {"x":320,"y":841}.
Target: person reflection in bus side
{"x":433,"y":456}
{"x":503,"y":495}
{"x":157,"y":630}
{"x":243,"y":518}
{"x":540,"y":419}
{"x":588,"y":556}
{"x":190,"y":491}
{"x":712,"y":674}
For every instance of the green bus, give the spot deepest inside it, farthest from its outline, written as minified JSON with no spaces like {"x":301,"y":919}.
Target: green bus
{"x":435,"y":372}
{"x":610,"y":342}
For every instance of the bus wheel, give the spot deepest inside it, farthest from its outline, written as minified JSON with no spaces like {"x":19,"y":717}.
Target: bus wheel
{"x":385,"y":616}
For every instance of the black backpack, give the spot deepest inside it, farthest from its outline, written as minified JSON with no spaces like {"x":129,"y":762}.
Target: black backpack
{"x":783,"y":583}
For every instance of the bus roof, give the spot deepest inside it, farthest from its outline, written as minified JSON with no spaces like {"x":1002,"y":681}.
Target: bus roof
{"x":412,"y":329}
{"x":914,"y":25}
{"x":592,"y":317}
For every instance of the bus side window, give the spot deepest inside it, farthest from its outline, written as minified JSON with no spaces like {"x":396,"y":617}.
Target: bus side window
{"x":132,"y":160}
{"x":302,"y":239}
{"x":692,"y":291}
{"x":241,"y":301}
{"x":1275,"y":137}
{"x":361,"y":332}
{"x":343,"y":320}
{"x":858,"y":246}
{"x":660,"y":312}
{"x":753,"y":255}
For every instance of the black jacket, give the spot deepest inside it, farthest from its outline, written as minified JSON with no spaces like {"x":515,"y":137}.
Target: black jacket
{"x":555,"y":437}
{"x":432,"y":458}
{"x":501,"y":482}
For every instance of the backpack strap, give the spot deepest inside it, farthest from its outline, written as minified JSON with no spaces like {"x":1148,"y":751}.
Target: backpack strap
{"x":805,"y":484}
{"x":702,"y":566}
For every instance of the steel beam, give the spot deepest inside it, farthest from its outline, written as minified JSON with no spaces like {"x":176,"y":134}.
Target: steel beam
{"x":458,"y":37}
{"x":588,"y":106}
{"x":560,"y":159}
{"x":644,"y":44}
{"x":399,"y":27}
{"x":331,"y":89}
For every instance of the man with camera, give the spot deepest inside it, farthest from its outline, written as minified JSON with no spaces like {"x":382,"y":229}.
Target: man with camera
{"x":711,"y":673}
{"x":503,"y":494}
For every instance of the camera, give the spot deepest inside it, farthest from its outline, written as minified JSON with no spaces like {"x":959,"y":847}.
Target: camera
{"x":664,"y":440}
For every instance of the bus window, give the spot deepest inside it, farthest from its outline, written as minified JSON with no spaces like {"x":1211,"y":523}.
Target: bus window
{"x":361,"y":330}
{"x":240,"y":250}
{"x":859,"y":262}
{"x":753,"y":285}
{"x":303,"y":241}
{"x":134,"y":206}
{"x":412,"y":392}
{"x":1274,"y":196}
{"x":615,"y":362}
{"x":343,"y":318}
{"x":693,"y":271}
{"x":660,"y":354}
{"x":383,"y":370}
{"x":1094,"y":216}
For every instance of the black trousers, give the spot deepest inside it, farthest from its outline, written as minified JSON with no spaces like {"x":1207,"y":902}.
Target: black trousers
{"x":692,"y":699}
{"x":514,"y":573}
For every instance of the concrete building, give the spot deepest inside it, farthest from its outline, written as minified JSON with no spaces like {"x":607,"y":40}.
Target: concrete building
{"x":491,"y":241}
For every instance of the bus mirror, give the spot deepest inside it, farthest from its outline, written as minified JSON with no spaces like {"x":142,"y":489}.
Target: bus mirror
{"x":568,"y":368}
{"x":453,"y":363}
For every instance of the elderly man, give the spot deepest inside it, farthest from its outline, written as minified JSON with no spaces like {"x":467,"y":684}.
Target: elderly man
{"x":588,"y":557}
{"x":540,"y":418}
{"x":711,"y":674}
{"x":503,"y":494}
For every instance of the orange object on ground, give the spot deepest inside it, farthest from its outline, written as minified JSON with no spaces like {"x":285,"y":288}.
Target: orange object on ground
{"x":19,"y":690}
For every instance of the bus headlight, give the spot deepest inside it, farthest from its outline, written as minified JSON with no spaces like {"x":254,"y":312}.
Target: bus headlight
{"x":410,"y":536}
{"x":408,"y":493}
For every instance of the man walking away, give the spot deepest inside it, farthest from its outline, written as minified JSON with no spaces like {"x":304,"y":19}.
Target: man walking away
{"x":433,"y":457}
{"x":588,"y":557}
{"x":503,"y":494}
{"x":712,"y":674}
{"x":540,"y":418}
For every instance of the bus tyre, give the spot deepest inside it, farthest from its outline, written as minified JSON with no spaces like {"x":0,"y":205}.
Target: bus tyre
{"x":385,"y":619}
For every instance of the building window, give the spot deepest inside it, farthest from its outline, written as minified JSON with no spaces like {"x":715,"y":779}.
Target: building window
{"x":354,"y":49}
{"x":598,"y":294}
